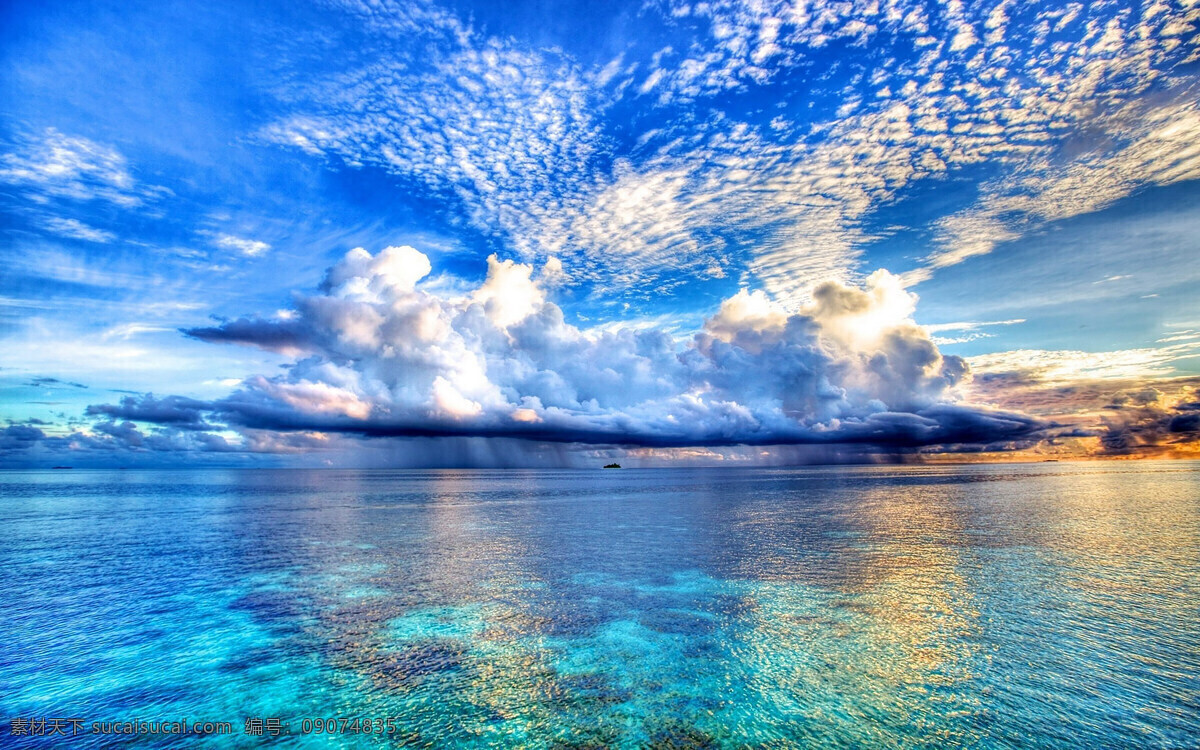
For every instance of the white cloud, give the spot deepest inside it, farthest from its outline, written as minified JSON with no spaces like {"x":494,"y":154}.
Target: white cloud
{"x":54,"y":165}
{"x":1058,"y":108}
{"x":1127,"y":143}
{"x":509,"y":132}
{"x":1181,"y":336}
{"x":249,"y":248}
{"x":76,"y":229}
{"x":1013,"y":109}
{"x":392,"y":270}
{"x":1065,"y":366}
{"x":509,"y":294}
{"x":128,"y":330}
{"x":971,"y":325}
{"x":968,"y":330}
{"x":316,"y":398}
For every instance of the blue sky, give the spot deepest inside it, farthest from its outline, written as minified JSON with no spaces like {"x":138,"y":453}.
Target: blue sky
{"x":686,"y":173}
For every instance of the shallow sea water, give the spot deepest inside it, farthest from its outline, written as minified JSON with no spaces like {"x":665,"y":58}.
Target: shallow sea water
{"x":1032,"y":605}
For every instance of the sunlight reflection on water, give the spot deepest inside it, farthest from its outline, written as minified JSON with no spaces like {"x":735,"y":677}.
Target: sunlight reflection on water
{"x":985,"y":606}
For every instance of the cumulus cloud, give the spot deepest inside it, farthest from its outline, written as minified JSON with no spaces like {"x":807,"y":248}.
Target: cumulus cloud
{"x":381,"y":356}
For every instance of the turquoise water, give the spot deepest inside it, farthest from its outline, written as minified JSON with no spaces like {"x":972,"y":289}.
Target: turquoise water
{"x":1038,"y":605}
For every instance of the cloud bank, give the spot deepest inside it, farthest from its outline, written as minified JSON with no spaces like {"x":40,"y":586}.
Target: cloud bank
{"x":1128,"y":414}
{"x":377,"y":355}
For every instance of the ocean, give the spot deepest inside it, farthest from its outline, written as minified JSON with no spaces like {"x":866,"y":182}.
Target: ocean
{"x":1050,"y":605}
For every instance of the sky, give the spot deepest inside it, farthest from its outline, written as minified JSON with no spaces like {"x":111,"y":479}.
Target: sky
{"x":531,"y":233}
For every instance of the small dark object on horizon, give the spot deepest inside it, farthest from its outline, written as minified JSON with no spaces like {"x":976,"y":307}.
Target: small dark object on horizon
{"x":612,"y":466}
{"x":62,"y":467}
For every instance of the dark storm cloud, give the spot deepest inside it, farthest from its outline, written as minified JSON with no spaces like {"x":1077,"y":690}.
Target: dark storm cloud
{"x":45,"y":382}
{"x":19,"y":437}
{"x":937,"y":425}
{"x":109,"y":441}
{"x":177,"y":411}
{"x":276,"y":336}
